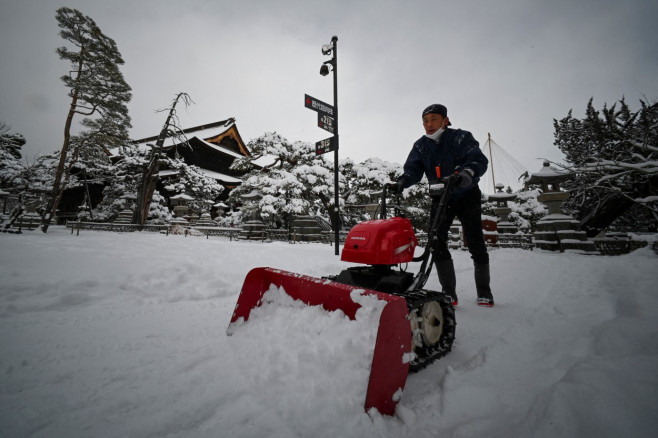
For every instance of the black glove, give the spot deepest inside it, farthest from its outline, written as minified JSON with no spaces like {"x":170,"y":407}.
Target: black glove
{"x":396,"y":187}
{"x":465,"y":177}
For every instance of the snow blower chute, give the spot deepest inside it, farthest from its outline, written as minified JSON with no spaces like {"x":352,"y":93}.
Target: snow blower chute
{"x":416,"y":326}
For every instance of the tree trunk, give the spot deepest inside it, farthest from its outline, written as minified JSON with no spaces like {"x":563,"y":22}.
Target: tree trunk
{"x":58,"y":187}
{"x":333,"y":216}
{"x":601,"y":215}
{"x":149,"y":179}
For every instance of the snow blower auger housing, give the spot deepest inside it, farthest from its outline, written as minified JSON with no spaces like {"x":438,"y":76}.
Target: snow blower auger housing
{"x":416,"y":326}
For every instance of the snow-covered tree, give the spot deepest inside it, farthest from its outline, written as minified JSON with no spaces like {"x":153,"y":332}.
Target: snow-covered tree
{"x":294,"y":181}
{"x":614,"y":156}
{"x":10,"y":155}
{"x":526,"y":209}
{"x":368,"y":177}
{"x":96,"y":88}
{"x":121,"y":187}
{"x":191,"y":181}
{"x":121,"y":191}
{"x":159,"y":213}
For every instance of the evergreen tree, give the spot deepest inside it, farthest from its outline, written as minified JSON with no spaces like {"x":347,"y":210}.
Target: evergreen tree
{"x":10,"y":155}
{"x":191,"y":181}
{"x":127,"y":176}
{"x":124,"y":180}
{"x":614,"y":155}
{"x":96,"y":88}
{"x":295,"y":181}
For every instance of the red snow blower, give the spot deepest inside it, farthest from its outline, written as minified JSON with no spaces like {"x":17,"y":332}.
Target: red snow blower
{"x":416,"y":326}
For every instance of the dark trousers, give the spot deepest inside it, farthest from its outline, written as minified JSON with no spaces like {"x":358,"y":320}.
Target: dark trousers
{"x":468,"y":210}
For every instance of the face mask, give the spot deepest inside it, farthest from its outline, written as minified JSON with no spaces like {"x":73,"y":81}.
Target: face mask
{"x":436,"y":135}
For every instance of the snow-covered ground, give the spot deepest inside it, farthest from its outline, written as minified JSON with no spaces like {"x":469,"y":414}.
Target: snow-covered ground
{"x":124,"y":335}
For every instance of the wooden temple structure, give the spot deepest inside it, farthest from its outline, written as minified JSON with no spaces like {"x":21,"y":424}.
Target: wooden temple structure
{"x":213,"y":154}
{"x":212,"y":148}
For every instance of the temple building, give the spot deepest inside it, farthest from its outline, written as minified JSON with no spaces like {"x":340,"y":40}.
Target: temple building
{"x":212,"y":148}
{"x":213,"y":154}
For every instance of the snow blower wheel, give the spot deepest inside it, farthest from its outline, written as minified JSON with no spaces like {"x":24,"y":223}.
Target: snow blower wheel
{"x":431,"y":323}
{"x":432,"y":320}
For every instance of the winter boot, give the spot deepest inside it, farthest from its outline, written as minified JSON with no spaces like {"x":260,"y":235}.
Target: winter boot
{"x":446,"y":271}
{"x":482,"y":279}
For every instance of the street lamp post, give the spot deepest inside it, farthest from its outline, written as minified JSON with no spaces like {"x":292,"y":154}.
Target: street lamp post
{"x":332,"y":49}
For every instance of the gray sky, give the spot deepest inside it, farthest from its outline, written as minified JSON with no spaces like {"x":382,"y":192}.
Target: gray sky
{"x":508,"y":68}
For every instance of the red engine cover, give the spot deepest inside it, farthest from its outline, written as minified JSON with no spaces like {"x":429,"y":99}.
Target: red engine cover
{"x":380,"y":242}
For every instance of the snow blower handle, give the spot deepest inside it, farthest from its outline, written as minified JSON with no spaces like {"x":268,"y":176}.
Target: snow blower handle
{"x":439,"y":190}
{"x":396,"y":189}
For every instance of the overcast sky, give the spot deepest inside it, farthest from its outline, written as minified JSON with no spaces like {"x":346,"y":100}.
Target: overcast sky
{"x":506,"y":68}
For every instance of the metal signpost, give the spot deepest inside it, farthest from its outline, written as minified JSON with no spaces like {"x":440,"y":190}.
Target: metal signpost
{"x":328,"y":120}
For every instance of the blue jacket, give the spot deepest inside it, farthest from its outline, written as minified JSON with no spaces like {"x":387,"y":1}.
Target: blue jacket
{"x":456,"y":148}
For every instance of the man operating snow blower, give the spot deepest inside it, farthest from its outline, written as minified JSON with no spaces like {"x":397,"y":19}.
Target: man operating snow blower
{"x":443,"y":151}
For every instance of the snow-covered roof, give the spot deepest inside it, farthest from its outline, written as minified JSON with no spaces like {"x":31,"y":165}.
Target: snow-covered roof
{"x":209,"y":173}
{"x":547,"y":172}
{"x":183,"y":196}
{"x":254,"y":194}
{"x":502,"y":196}
{"x":220,"y":148}
{"x":220,"y":176}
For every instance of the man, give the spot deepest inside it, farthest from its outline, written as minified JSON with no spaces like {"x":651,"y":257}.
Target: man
{"x":443,"y":151}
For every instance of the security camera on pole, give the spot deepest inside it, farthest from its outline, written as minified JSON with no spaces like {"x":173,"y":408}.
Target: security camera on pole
{"x":328,"y":120}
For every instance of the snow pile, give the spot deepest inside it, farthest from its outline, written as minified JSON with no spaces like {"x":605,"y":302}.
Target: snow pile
{"x":314,"y":359}
{"x":107,"y":334}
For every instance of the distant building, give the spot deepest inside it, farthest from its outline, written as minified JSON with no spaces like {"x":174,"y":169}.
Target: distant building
{"x":212,"y":151}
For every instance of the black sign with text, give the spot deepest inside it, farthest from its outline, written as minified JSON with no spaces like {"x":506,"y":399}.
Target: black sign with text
{"x":325,"y":122}
{"x":324,"y":146}
{"x":318,"y":105}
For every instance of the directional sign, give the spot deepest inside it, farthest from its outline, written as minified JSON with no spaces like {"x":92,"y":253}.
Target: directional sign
{"x":318,"y":105}
{"x":326,"y":122}
{"x":324,"y":146}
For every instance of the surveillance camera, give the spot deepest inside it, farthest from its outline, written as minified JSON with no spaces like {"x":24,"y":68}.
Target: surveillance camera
{"x":324,"y":70}
{"x":326,"y":49}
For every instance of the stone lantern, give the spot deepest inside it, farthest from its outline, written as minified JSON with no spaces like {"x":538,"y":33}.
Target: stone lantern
{"x":221,"y":208}
{"x":254,"y":228}
{"x":505,"y":227}
{"x":181,"y":209}
{"x":125,"y":216}
{"x":556,"y":230}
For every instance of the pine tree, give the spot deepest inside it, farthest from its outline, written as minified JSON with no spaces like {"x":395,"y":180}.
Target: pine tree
{"x":191,"y":181}
{"x":126,"y":176}
{"x":10,"y":155}
{"x":614,"y":156}
{"x":96,"y":87}
{"x":295,"y":182}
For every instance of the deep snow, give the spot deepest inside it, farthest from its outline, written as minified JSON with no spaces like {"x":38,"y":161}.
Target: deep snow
{"x":124,"y":335}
